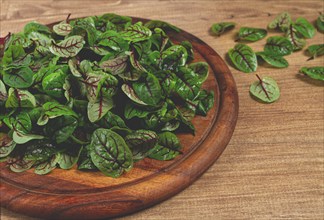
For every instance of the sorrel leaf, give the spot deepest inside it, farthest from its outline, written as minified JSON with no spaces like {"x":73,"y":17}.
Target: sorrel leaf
{"x":62,"y":29}
{"x":99,"y":109}
{"x":315,"y":50}
{"x":136,"y":33}
{"x":168,"y":147}
{"x":20,"y":99}
{"x":110,"y":153}
{"x":222,"y":27}
{"x":304,"y":28}
{"x":251,"y":34}
{"x":265,"y":90}
{"x":141,"y":142}
{"x":281,"y":22}
{"x":297,"y":43}
{"x":69,"y":47}
{"x":273,"y":60}
{"x":20,"y":79}
{"x":278,"y":45}
{"x":243,"y":58}
{"x":313,"y":72}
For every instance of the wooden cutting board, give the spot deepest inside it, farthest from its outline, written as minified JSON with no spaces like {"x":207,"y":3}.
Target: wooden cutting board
{"x":74,"y":194}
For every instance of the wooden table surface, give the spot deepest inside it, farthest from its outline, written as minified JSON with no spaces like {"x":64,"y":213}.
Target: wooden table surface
{"x":273,"y":167}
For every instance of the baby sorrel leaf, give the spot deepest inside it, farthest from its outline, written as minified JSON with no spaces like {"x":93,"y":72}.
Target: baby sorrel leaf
{"x":136,"y":33}
{"x":243,"y":58}
{"x":99,"y":109}
{"x":251,"y":34}
{"x":21,"y":78}
{"x":69,"y":47}
{"x":110,"y":153}
{"x":222,"y":27}
{"x":281,"y":22}
{"x":320,"y":23}
{"x":62,"y":29}
{"x":129,"y":91}
{"x":315,"y":50}
{"x":20,"y":164}
{"x":47,"y":166}
{"x":278,"y":45}
{"x":116,"y":65}
{"x":304,"y":28}
{"x":297,"y":43}
{"x":265,"y":89}
{"x":141,"y":142}
{"x":313,"y":72}
{"x":168,"y":147}
{"x":273,"y":60}
{"x":20,"y":99}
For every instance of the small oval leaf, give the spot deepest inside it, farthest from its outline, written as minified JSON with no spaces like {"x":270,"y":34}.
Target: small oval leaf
{"x":243,"y":58}
{"x":220,"y":28}
{"x":278,"y":45}
{"x":313,"y":72}
{"x":251,"y":34}
{"x":265,"y":89}
{"x":69,"y":47}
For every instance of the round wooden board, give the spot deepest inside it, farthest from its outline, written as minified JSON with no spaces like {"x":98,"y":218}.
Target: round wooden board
{"x":73,"y":194}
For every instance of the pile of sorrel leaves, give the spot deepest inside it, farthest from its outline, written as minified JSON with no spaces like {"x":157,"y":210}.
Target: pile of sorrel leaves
{"x":101,"y":92}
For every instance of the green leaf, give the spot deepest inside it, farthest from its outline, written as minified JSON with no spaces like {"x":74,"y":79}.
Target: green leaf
{"x":40,"y":39}
{"x":201,"y":69}
{"x":220,"y":28}
{"x":40,"y":150}
{"x":315,"y":50}
{"x":68,"y":159}
{"x":129,"y":91}
{"x":86,"y":25}
{"x":99,"y":109}
{"x":278,"y":45}
{"x":304,"y":28}
{"x":46,"y":166}
{"x":320,"y":23}
{"x":116,"y":65}
{"x":152,"y":24}
{"x":54,"y":110}
{"x":20,"y":99}
{"x":19,"y":164}
{"x":62,"y":28}
{"x":53,"y":83}
{"x":110,"y":153}
{"x":243,"y":58}
{"x":187,"y":83}
{"x":168,"y":147}
{"x":296,"y":42}
{"x":132,"y":111}
{"x":173,"y":57}
{"x":23,"y":123}
{"x":69,"y":47}
{"x":136,"y":33}
{"x":141,"y":142}
{"x":36,"y":27}
{"x":21,"y":138}
{"x":313,"y":72}
{"x":111,"y":120}
{"x":20,"y":79}
{"x":149,"y":91}
{"x":251,"y":34}
{"x":114,"y":41}
{"x":265,"y":90}
{"x":282,"y":22}
{"x":273,"y":60}
{"x":7,"y":145}
{"x":61,"y":128}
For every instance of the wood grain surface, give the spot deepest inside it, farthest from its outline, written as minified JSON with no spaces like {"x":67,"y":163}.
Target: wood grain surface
{"x":273,"y":167}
